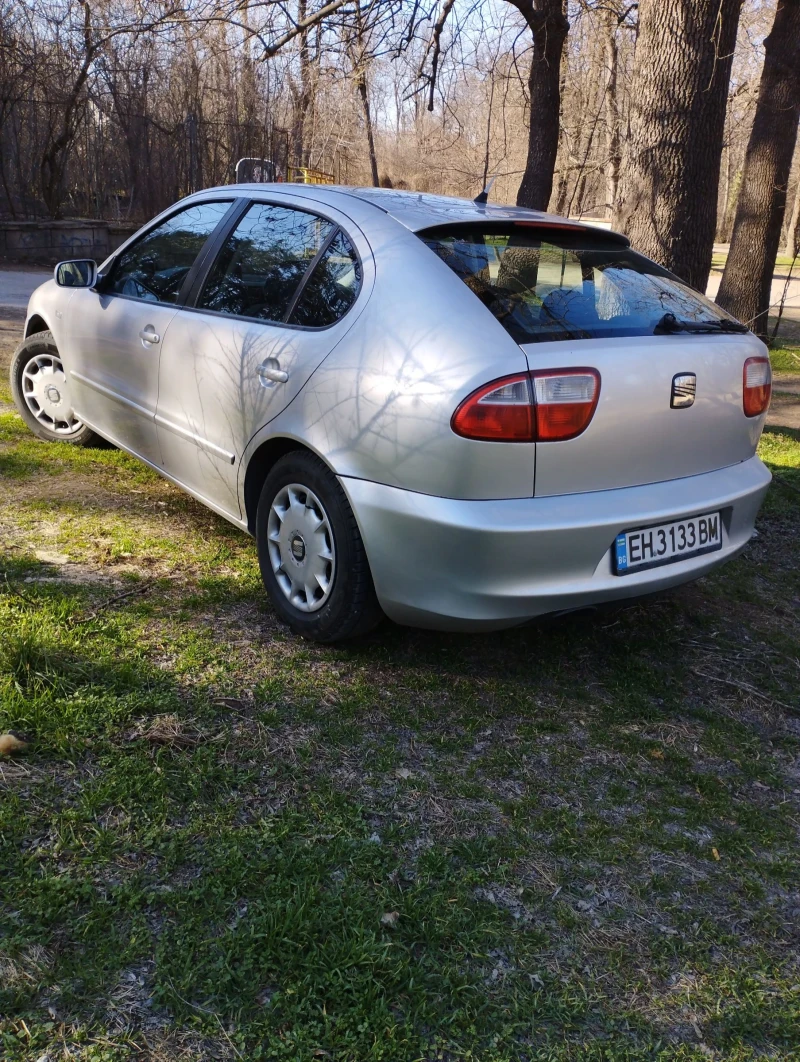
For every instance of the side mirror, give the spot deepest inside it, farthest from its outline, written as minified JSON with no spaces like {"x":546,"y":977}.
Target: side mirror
{"x":81,"y":273}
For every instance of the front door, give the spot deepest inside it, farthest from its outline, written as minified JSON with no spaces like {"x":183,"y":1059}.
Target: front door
{"x":112,"y":339}
{"x":273,"y":306}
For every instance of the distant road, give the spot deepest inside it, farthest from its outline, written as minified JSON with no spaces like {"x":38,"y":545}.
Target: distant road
{"x":16,"y":286}
{"x":791,"y":308}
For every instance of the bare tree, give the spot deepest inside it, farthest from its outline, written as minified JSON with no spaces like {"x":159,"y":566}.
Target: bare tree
{"x":435,"y":95}
{"x":793,"y":228}
{"x":668,"y":190}
{"x":747,"y":280}
{"x":547,"y":21}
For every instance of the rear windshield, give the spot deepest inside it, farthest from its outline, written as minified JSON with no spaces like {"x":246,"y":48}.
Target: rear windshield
{"x":543,"y":285}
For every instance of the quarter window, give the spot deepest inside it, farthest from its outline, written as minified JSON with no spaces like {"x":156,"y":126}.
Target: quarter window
{"x":263,"y":262}
{"x":332,"y":287}
{"x":155,"y":267}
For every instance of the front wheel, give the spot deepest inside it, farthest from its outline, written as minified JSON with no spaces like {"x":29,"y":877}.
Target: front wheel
{"x":40,"y":390}
{"x":311,"y":554}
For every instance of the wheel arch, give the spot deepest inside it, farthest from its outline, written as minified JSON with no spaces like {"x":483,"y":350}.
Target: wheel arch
{"x":36,"y":323}
{"x":258,"y":468}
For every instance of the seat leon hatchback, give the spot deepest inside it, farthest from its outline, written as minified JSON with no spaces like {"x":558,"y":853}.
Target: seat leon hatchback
{"x":459,"y":415}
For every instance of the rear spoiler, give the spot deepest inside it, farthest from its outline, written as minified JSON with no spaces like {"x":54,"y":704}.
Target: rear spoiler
{"x":587,"y":234}
{"x":566,"y":226}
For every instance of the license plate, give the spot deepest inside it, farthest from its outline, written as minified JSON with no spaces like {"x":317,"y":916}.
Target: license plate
{"x":647,"y":547}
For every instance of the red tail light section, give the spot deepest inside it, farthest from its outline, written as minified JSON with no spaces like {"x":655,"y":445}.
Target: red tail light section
{"x":500,"y":411}
{"x":544,"y":406}
{"x":756,"y":386}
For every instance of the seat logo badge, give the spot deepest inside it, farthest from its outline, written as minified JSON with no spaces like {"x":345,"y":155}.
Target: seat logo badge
{"x":684,"y":389}
{"x":298,"y":547}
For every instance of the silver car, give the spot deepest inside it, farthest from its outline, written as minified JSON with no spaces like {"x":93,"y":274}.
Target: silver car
{"x":459,"y":415}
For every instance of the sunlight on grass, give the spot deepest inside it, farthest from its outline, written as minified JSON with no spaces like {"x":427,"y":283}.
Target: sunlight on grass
{"x":785,"y":357}
{"x":574,"y":840}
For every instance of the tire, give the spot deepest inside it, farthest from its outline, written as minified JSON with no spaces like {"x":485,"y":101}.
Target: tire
{"x":312,"y":558}
{"x":43,"y":405}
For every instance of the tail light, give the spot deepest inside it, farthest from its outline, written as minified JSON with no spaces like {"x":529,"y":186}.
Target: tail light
{"x":565,"y":402}
{"x":544,"y":406}
{"x":756,"y":386}
{"x":501,"y":411}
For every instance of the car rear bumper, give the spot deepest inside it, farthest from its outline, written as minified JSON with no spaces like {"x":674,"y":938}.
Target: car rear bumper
{"x":479,"y":565}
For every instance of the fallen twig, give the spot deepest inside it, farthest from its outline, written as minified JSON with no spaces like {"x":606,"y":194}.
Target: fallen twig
{"x":12,"y":589}
{"x":749,"y":689}
{"x":777,"y":478}
{"x":113,"y":600}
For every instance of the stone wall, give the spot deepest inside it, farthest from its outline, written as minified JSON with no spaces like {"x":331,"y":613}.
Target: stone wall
{"x":48,"y":242}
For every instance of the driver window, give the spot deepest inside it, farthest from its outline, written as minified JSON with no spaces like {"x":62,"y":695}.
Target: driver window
{"x":155,"y":267}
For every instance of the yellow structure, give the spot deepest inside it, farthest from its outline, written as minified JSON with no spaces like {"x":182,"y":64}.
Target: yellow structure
{"x":306,"y":175}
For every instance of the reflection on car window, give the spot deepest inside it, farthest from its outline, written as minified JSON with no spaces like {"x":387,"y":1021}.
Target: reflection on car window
{"x":332,"y":287}
{"x":565,"y":285}
{"x":155,"y":267}
{"x":263,"y":262}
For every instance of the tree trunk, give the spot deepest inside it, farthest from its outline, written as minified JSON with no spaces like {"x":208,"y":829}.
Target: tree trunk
{"x":361,"y":81}
{"x":793,"y":232}
{"x":667,"y":201}
{"x":301,"y":95}
{"x":747,"y":279}
{"x":549,"y":27}
{"x":611,"y":53}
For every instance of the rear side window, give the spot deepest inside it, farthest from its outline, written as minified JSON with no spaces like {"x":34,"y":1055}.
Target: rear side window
{"x":549,"y":284}
{"x":155,"y":267}
{"x":263,"y":262}
{"x":332,"y":287}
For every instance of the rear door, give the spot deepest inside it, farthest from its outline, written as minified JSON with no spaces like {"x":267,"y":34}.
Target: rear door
{"x":275,"y":301}
{"x":112,"y":339}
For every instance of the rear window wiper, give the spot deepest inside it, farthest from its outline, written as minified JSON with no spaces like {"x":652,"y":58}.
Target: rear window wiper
{"x":670,"y":323}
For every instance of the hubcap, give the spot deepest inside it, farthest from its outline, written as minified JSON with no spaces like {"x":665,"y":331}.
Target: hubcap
{"x":301,"y":548}
{"x":44,"y":388}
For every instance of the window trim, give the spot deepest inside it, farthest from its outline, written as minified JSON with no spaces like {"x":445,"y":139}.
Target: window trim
{"x":188,"y":280}
{"x":312,"y":265}
{"x":209,"y":262}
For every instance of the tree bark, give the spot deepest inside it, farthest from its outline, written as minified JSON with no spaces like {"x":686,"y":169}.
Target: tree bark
{"x":301,"y":93}
{"x":747,"y":279}
{"x":793,"y":232}
{"x":549,"y":27}
{"x":667,"y":201}
{"x":611,"y":53}
{"x":361,"y":81}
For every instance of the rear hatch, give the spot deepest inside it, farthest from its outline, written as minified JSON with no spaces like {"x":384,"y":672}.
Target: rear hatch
{"x":576,"y":298}
{"x":638,"y":434}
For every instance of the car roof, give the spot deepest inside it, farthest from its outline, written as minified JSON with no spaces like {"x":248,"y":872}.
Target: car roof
{"x":423,"y":210}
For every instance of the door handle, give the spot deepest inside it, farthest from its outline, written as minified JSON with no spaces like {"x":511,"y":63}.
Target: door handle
{"x":271,"y":370}
{"x":149,"y":335}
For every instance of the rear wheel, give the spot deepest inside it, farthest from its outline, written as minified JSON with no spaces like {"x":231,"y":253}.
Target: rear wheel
{"x":310,"y":551}
{"x":41,"y":392}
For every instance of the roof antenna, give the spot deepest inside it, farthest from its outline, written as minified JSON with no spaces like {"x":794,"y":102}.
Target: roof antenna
{"x":482,"y":198}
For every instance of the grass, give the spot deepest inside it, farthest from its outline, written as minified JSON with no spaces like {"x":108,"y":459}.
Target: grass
{"x":785,"y":357}
{"x":572,"y":841}
{"x":719,"y":258}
